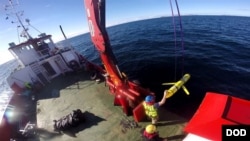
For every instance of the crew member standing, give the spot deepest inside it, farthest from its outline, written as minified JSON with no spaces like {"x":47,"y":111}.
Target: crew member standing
{"x":151,"y":107}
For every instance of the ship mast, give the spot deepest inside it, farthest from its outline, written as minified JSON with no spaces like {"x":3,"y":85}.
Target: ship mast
{"x":17,"y":15}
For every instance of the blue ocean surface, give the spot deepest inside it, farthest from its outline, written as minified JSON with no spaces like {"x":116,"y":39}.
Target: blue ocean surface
{"x":215,"y":52}
{"x":5,"y":91}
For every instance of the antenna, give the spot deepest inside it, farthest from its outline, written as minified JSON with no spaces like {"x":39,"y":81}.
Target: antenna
{"x":17,"y":15}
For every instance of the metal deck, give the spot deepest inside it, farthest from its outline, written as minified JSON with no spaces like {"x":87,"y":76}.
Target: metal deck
{"x":77,"y":91}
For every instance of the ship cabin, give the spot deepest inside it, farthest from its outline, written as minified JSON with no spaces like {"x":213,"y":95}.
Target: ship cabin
{"x":33,"y":50}
{"x":40,"y":60}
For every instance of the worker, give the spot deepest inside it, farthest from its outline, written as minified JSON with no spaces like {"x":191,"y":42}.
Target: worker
{"x":151,"y":107}
{"x":28,"y":85}
{"x":150,"y":134}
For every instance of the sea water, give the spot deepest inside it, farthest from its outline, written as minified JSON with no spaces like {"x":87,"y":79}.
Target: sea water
{"x":214,"y":50}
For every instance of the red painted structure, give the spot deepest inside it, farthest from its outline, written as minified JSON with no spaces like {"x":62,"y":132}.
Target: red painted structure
{"x":5,"y":129}
{"x":217,"y":110}
{"x":127,"y":94}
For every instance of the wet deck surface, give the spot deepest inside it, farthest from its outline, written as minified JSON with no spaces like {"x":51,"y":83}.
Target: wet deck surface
{"x":71,"y":92}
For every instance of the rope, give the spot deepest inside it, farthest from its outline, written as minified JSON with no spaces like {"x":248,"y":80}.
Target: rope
{"x":182,"y":42}
{"x":175,"y":64}
{"x":175,"y":38}
{"x":35,"y":28}
{"x":127,"y":124}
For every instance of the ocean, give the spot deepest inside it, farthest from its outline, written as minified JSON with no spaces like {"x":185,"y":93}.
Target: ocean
{"x":215,"y":52}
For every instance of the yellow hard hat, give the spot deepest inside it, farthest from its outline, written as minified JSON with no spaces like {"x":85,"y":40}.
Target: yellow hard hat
{"x":151,"y":128}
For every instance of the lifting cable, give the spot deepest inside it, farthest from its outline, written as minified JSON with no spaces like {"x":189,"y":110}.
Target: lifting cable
{"x":181,"y":32}
{"x":173,"y":20}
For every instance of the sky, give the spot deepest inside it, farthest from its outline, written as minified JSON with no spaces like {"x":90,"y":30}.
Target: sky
{"x":47,"y":15}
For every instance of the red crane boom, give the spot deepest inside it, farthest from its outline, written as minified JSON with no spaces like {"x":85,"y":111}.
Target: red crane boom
{"x":127,"y":94}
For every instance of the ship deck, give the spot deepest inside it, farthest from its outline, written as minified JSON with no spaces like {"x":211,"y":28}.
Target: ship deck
{"x":77,"y":91}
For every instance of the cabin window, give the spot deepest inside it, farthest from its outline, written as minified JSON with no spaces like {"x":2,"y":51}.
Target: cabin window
{"x":43,"y":47}
{"x":29,"y":47}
